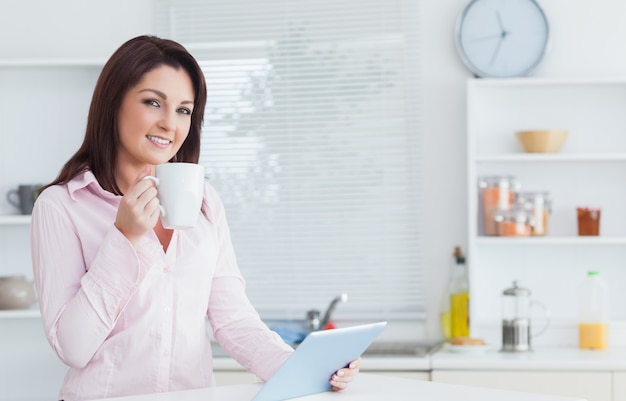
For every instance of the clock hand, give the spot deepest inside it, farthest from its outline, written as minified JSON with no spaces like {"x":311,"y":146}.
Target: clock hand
{"x":495,"y":53}
{"x":500,"y":21}
{"x":503,"y":32}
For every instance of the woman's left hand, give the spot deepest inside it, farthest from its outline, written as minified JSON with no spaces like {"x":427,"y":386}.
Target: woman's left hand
{"x":340,"y":380}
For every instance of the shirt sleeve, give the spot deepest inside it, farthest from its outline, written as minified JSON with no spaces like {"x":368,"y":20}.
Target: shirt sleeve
{"x":236,"y":324}
{"x":79,"y":304}
{"x":241,"y":332}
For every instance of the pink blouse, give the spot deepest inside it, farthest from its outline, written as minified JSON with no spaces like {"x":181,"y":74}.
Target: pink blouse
{"x":133,"y":321}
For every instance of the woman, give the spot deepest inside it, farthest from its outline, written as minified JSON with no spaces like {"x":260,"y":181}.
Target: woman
{"x":123,"y":299}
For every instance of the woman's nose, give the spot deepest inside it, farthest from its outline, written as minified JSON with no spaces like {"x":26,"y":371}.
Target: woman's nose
{"x":168,"y":121}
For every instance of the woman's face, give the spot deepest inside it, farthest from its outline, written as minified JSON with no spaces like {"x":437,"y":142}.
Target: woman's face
{"x":154,"y":118}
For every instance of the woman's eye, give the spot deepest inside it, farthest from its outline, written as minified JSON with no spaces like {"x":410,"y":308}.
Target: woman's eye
{"x":151,"y":102}
{"x":184,"y":110}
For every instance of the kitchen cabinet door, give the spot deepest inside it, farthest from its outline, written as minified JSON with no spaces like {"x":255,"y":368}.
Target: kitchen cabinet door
{"x":405,"y":374}
{"x":230,"y":377}
{"x":593,"y":386}
{"x":619,"y":386}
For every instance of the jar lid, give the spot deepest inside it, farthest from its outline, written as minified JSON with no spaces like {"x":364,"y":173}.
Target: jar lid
{"x":517,"y":291}
{"x":534,"y":199}
{"x":589,"y":208}
{"x":535,"y":196}
{"x":517,"y":214}
{"x":501,"y":181}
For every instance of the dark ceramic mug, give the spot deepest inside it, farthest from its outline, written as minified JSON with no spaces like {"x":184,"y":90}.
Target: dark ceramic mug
{"x":24,"y":197}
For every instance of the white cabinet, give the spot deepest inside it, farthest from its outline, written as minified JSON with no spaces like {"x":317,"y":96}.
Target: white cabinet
{"x":593,"y":386}
{"x":423,"y":375}
{"x":230,"y":377}
{"x":619,"y":386}
{"x":43,"y":109}
{"x":589,"y":170}
{"x":30,"y":370}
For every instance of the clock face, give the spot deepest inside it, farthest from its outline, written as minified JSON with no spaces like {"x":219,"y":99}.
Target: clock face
{"x":502,"y":38}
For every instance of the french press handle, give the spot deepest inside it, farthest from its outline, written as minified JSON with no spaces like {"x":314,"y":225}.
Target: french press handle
{"x":546,"y":313}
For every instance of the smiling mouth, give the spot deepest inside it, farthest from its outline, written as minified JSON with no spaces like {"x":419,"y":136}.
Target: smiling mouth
{"x":160,"y":141}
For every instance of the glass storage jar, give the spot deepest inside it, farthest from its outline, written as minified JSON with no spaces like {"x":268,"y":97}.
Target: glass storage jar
{"x":514,"y":222}
{"x":495,"y":193}
{"x":540,"y":206}
{"x":588,"y":220}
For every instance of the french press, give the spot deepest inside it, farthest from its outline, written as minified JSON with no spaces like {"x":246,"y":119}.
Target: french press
{"x":516,"y":330}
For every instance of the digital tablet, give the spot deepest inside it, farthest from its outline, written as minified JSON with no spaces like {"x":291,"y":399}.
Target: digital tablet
{"x":322,"y":353}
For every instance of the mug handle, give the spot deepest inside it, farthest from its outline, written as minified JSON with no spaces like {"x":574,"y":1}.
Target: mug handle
{"x":11,"y":199}
{"x":156,"y":182}
{"x":546,"y":314}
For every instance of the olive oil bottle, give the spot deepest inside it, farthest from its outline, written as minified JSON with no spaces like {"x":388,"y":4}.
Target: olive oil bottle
{"x":459,"y":296}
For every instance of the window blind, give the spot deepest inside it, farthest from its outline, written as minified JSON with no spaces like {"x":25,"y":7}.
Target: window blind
{"x":312,"y":139}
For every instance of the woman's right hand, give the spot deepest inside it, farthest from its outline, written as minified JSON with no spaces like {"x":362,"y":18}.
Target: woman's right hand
{"x":139,"y":209}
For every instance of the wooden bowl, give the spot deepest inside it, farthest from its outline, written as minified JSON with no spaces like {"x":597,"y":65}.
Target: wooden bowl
{"x":542,"y":141}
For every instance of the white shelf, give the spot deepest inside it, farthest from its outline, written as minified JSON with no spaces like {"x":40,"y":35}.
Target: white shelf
{"x":523,"y":241}
{"x":20,"y":314}
{"x":550,"y":157}
{"x":52,"y":62}
{"x":587,"y":171}
{"x":9,"y":220}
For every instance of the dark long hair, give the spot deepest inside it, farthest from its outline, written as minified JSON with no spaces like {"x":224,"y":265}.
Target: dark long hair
{"x":122,"y":71}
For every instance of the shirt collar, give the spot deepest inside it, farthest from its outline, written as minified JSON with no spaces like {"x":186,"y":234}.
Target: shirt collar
{"x":84,"y":180}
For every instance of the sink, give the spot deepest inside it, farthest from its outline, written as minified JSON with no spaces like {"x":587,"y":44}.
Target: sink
{"x":396,"y":349}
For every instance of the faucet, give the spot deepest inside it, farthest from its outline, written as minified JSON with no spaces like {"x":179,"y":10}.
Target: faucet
{"x":313,"y":322}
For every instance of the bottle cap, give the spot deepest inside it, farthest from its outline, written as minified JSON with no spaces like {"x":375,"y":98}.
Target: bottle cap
{"x":458,"y":255}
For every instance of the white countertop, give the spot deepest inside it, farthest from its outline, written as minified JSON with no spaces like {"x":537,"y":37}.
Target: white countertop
{"x":366,"y":387}
{"x":541,"y":358}
{"x":389,"y":363}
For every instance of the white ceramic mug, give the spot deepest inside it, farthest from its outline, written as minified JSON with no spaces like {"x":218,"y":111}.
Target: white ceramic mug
{"x":180,"y":189}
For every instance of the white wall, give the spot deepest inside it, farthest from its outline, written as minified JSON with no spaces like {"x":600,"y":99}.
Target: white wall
{"x":70,"y":28}
{"x":588,"y":39}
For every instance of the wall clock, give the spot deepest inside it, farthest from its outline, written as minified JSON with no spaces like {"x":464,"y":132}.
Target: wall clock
{"x":502,"y":38}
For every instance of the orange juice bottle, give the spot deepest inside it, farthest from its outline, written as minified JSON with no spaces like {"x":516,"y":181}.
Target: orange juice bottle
{"x":593,"y":325}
